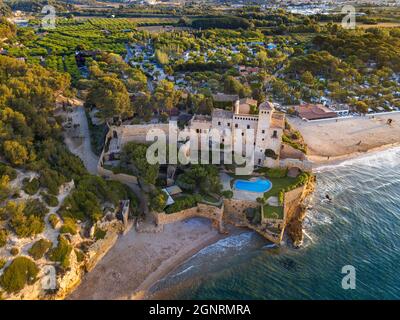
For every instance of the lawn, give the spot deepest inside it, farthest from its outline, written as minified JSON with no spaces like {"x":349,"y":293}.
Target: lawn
{"x":278,"y":184}
{"x":270,"y":212}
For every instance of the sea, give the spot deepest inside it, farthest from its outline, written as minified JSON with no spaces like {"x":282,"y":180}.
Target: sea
{"x":359,"y":228}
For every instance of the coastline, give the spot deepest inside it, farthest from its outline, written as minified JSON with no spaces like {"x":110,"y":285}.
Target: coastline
{"x":333,"y":141}
{"x":139,"y":260}
{"x":319,"y":161}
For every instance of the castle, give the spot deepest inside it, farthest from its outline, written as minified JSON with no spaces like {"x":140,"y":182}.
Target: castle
{"x":264,"y":123}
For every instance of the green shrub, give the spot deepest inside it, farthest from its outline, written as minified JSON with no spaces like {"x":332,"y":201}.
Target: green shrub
{"x":269,"y":153}
{"x":69,"y":226}
{"x":80,"y":256}
{"x":228,"y":194}
{"x":35,"y":207}
{"x":51,"y":180}
{"x":281,"y":197}
{"x":39,"y":248}
{"x":31,"y":187}
{"x":2,"y":263}
{"x":294,"y":144}
{"x":14,"y":251}
{"x":62,"y":252}
{"x":6,"y":170}
{"x":20,"y":272}
{"x":183,"y":203}
{"x":54,"y":220}
{"x":3,"y":237}
{"x":99,"y":233}
{"x":158,"y":200}
{"x":27,"y":226}
{"x":277,"y":172}
{"x":50,"y":200}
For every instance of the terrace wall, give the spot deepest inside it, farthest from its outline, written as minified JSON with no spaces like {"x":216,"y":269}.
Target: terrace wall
{"x":121,"y":177}
{"x":201,"y":210}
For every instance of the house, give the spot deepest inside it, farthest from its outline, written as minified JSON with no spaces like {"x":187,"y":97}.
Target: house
{"x":314,"y":112}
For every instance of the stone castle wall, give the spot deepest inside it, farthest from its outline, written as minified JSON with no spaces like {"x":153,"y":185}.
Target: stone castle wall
{"x":292,"y":200}
{"x":201,"y":210}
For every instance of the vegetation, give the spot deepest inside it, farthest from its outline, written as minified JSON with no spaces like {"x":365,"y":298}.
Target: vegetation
{"x":20,"y":272}
{"x":133,"y":157}
{"x":24,"y":225}
{"x":158,"y":200}
{"x":99,"y":233}
{"x":14,"y":251}
{"x":3,"y":237}
{"x":6,"y":170}
{"x":2,"y":263}
{"x":31,"y":187}
{"x":184,"y":202}
{"x":40,"y":248}
{"x":271,"y":212}
{"x":69,"y":226}
{"x":201,"y":178}
{"x":54,"y":220}
{"x":50,"y":200}
{"x":62,"y":252}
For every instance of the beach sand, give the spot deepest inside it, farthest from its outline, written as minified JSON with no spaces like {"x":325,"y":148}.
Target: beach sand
{"x":332,"y":141}
{"x":139,"y":260}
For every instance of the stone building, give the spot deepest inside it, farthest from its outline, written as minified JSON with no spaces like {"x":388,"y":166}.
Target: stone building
{"x":265,"y":122}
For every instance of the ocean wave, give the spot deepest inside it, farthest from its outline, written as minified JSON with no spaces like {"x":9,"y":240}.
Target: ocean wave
{"x":236,"y":242}
{"x":376,"y":159}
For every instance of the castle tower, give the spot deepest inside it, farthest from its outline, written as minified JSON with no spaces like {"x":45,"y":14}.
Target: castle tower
{"x":263,"y":133}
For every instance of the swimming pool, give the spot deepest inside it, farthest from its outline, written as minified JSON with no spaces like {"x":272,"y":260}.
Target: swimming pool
{"x":258,"y":185}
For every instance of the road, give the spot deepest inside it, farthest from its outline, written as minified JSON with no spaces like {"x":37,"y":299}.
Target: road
{"x":82,"y":146}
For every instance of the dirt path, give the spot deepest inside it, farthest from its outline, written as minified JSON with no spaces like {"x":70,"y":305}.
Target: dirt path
{"x":82,"y":146}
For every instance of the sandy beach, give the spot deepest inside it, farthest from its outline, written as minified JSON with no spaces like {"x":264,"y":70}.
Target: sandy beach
{"x":139,"y":260}
{"x":332,"y":141}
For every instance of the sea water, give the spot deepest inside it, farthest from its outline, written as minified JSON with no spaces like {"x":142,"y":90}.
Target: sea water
{"x":359,"y":227}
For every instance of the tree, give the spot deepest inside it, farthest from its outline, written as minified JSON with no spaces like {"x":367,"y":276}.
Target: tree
{"x":4,"y":187}
{"x":308,"y":78}
{"x":161,"y":57}
{"x":23,"y":226}
{"x":133,"y":156}
{"x":165,"y":97}
{"x":361,"y":107}
{"x":16,"y":153}
{"x":110,"y":96}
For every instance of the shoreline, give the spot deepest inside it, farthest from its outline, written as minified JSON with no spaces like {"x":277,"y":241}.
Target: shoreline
{"x":168,"y":267}
{"x":138,"y":261}
{"x":319,"y":161}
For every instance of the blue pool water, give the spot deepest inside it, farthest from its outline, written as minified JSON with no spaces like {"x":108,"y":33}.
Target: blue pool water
{"x":259,"y":185}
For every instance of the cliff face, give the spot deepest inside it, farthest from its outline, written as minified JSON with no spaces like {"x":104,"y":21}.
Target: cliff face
{"x":66,"y":281}
{"x":297,"y":213}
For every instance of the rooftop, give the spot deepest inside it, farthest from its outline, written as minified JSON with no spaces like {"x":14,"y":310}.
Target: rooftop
{"x":221,"y":113}
{"x":222,"y":97}
{"x":315,"y":111}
